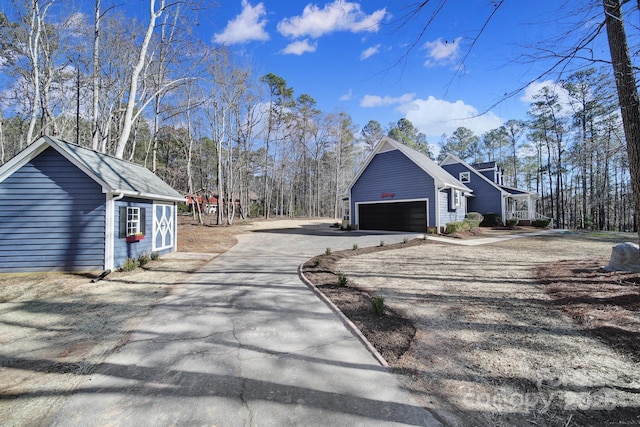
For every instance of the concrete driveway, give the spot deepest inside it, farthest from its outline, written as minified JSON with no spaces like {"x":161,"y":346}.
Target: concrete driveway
{"x":245,"y":343}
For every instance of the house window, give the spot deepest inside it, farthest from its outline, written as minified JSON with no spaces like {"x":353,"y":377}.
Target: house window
{"x":133,"y":221}
{"x":465,"y":177}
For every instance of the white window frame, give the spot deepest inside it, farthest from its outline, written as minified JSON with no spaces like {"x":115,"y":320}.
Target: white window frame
{"x":465,"y":177}
{"x":133,"y":220}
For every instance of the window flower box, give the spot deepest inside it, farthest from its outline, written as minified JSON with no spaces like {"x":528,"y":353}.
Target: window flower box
{"x":134,"y":238}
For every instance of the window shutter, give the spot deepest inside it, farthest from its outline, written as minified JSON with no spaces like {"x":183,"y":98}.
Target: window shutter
{"x":122,"y":232}
{"x":143,"y":220}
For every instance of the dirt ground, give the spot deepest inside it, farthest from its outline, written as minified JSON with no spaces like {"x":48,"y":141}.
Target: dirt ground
{"x":471,"y":332}
{"x":522,"y":332}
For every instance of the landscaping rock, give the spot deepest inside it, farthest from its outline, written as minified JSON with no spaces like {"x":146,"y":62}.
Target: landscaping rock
{"x":624,"y":257}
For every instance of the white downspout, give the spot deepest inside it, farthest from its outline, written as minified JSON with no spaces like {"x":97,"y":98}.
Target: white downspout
{"x":109,"y":232}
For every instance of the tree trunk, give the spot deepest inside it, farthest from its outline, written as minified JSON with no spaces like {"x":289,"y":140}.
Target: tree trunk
{"x":133,"y":84}
{"x":627,"y":94}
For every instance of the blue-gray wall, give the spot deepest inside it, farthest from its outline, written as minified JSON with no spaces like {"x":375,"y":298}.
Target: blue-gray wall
{"x":451,"y":215}
{"x":485,"y":197}
{"x":393,"y":172}
{"x":121,"y":248}
{"x":52,"y":218}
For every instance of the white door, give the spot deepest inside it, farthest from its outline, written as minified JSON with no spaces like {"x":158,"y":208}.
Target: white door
{"x":163,"y":227}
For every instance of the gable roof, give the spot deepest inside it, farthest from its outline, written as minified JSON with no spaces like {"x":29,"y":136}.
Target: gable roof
{"x":116,"y":176}
{"x":442,"y":178}
{"x":505,"y":190}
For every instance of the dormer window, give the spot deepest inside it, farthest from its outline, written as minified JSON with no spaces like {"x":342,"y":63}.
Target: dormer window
{"x":465,"y":177}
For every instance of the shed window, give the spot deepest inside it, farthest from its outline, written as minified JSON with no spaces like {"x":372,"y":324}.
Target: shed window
{"x":133,"y":221}
{"x":465,"y":177}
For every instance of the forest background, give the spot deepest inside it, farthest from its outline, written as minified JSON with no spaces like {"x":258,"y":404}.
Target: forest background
{"x":199,"y":116}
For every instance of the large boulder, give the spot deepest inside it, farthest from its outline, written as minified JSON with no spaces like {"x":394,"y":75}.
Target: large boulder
{"x":624,"y":257}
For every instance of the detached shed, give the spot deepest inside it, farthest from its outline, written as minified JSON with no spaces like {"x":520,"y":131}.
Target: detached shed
{"x":64,"y":207}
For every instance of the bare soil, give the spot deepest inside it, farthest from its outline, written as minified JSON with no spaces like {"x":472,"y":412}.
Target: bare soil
{"x":522,"y":332}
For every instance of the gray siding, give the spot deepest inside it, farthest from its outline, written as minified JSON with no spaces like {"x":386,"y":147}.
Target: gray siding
{"x":52,"y":218}
{"x":486,"y":198}
{"x":393,"y":172}
{"x":121,"y":248}
{"x":447,"y":216}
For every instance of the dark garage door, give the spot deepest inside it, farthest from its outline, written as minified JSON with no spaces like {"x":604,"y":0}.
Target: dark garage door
{"x":396,"y":216}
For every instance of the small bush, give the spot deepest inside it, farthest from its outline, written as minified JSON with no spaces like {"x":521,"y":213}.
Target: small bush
{"x":130,"y":264}
{"x":355,"y":246}
{"x":381,"y":242}
{"x":491,"y":220}
{"x":143,"y":260}
{"x":456,"y":227}
{"x":343,"y":280}
{"x":327,"y":251}
{"x":475,"y":216}
{"x":512,"y":222}
{"x":432,"y":230}
{"x":405,"y":240}
{"x":317,"y":262}
{"x":378,"y":305}
{"x":155,"y":256}
{"x":472,"y":224}
{"x":541,"y":223}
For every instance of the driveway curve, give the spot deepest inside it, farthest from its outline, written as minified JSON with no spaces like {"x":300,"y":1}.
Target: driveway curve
{"x":244,"y":342}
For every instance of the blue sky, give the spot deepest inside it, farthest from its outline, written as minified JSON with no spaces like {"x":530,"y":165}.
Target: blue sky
{"x":354,"y":56}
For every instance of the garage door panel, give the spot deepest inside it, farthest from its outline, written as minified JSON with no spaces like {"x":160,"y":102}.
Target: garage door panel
{"x":396,"y":216}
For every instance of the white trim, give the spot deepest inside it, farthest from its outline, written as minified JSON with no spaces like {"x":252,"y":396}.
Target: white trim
{"x":375,"y":202}
{"x":25,"y":156}
{"x":109,"y":236}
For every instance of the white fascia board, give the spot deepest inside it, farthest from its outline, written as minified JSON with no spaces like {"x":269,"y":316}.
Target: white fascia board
{"x":22,"y":158}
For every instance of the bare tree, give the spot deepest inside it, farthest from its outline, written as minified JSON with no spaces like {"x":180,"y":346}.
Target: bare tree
{"x":627,"y":94}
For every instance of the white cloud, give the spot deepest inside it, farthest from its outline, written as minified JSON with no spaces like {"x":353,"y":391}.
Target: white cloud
{"x":433,"y":117}
{"x":370,"y":101}
{"x":299,"y":47}
{"x":246,"y":27}
{"x":442,"y":53}
{"x":347,"y":96}
{"x":367,"y":53}
{"x":536,"y":87}
{"x":337,"y":16}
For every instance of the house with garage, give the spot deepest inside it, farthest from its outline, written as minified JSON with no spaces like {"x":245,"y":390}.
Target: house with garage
{"x":490,"y":193}
{"x":64,"y":207}
{"x":401,"y":189}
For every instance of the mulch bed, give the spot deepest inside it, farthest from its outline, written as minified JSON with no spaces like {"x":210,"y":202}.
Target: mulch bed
{"x":605,"y":304}
{"x":390,"y":334}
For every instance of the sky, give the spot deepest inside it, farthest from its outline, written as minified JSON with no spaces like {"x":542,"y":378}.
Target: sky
{"x":376,"y":61}
{"x":367,"y":58}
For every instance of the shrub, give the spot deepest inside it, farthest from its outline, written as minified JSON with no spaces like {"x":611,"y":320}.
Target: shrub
{"x":512,"y":222}
{"x":343,"y":280}
{"x":378,"y":305}
{"x":155,"y":256}
{"x":381,"y":242}
{"x":327,"y":251}
{"x":472,"y":224}
{"x":143,"y":260}
{"x":355,"y":246}
{"x":475,"y":216}
{"x":130,"y":264}
{"x":317,"y":262}
{"x":541,"y":223}
{"x":432,"y":230}
{"x":491,"y":220}
{"x":456,"y":227}
{"x":405,"y":240}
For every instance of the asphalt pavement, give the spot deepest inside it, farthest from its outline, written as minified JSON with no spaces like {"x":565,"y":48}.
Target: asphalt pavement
{"x":245,"y":343}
